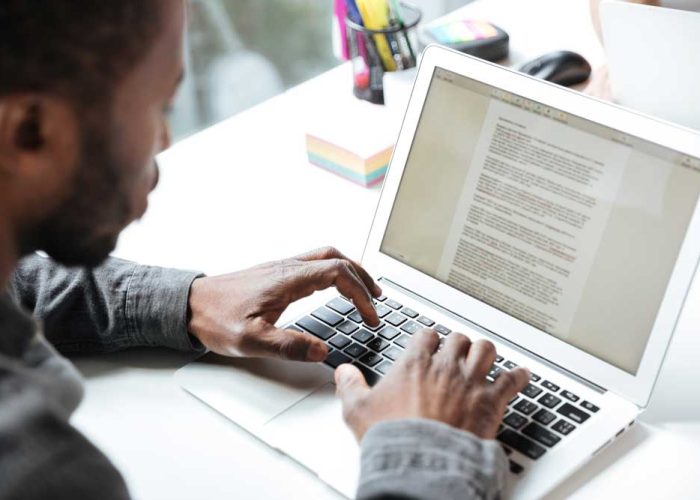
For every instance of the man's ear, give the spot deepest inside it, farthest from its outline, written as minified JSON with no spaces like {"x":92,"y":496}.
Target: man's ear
{"x":39,"y":135}
{"x":28,"y":135}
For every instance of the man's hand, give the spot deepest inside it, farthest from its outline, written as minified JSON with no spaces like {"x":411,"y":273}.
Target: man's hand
{"x":235,"y":314}
{"x":449,"y":386}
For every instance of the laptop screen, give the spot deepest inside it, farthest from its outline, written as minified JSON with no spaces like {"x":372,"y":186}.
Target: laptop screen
{"x":562,"y":223}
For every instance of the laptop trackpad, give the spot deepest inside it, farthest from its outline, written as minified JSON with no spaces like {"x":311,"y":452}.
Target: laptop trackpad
{"x":251,"y":391}
{"x":313,"y":433}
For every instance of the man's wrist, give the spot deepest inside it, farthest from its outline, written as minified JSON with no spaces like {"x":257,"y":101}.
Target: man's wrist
{"x":191,"y":295}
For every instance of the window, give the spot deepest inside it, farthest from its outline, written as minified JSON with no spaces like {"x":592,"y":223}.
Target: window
{"x":242,"y":52}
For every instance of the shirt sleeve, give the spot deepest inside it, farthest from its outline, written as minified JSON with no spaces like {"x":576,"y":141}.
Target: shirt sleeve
{"x":426,"y":459}
{"x":41,"y":454}
{"x":117,"y":305}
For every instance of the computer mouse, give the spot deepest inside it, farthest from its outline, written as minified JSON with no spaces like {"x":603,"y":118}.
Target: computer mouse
{"x":562,"y":67}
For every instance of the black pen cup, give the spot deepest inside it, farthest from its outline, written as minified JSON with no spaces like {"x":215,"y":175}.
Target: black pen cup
{"x":376,"y":51}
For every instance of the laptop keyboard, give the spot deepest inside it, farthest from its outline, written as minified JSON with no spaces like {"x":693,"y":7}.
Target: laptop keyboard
{"x":539,"y":418}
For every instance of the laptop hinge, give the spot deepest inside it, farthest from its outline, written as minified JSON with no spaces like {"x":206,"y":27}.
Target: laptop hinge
{"x":492,"y":334}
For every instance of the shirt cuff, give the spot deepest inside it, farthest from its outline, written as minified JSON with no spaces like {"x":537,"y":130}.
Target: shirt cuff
{"x":157,"y":303}
{"x":426,"y":459}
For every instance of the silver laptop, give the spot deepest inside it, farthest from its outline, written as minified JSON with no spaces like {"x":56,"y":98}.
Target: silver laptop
{"x":562,"y":228}
{"x":653,"y":59}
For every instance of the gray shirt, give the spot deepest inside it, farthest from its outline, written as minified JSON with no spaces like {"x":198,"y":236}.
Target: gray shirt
{"x":120,"y":305}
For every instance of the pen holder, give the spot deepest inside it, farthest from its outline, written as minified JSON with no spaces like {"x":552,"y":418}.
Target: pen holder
{"x":376,"y":51}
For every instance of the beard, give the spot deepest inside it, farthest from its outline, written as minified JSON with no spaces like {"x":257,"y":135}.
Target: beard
{"x":84,"y":228}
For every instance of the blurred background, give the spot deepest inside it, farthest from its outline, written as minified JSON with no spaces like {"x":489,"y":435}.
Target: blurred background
{"x":241,"y":52}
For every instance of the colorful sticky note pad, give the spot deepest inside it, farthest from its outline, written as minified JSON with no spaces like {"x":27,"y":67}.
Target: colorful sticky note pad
{"x":463,"y":31}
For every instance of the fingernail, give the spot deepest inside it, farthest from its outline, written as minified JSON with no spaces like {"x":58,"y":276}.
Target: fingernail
{"x":341,"y":374}
{"x":317,"y":352}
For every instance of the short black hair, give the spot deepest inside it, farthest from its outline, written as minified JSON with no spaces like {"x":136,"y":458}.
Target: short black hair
{"x":77,"y":49}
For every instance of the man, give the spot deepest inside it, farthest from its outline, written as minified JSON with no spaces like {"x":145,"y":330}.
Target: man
{"x":84,"y":89}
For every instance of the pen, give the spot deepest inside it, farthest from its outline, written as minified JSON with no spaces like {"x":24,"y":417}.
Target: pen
{"x":395,"y":12}
{"x":375,"y":16}
{"x":357,"y":39}
{"x":341,"y":12}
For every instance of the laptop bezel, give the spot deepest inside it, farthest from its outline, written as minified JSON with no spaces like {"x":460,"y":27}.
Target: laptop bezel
{"x":636,"y":388}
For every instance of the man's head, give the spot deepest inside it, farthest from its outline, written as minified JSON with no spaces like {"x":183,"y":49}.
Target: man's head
{"x":84,"y":90}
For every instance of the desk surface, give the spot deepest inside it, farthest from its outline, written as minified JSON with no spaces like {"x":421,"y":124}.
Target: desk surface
{"x":241,"y":193}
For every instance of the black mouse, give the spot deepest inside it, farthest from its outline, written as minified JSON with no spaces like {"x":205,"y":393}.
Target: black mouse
{"x":562,"y":67}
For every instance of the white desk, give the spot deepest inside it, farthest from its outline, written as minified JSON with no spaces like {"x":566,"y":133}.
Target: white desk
{"x":241,"y":193}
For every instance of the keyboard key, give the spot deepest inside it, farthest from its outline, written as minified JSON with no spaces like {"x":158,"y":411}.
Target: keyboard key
{"x":510,"y":365}
{"x":515,"y":420}
{"x":395,"y":319}
{"x":563,"y":427}
{"x":393,"y":304}
{"x":573,"y":413}
{"x":355,"y":350}
{"x":371,"y":377}
{"x":340,"y":342}
{"x":548,"y":385}
{"x":570,"y":396}
{"x":381,"y":298}
{"x":499,"y":358}
{"x":371,"y":359}
{"x":341,"y":306}
{"x":442,"y":330}
{"x":426,"y":321}
{"x":531,"y":391}
{"x":362,"y":336}
{"x":373,"y":328}
{"x":319,"y":329}
{"x":403,"y":340}
{"x":410,"y":327}
{"x":549,"y":400}
{"x":494,"y":372}
{"x":384,"y":367}
{"x":327,"y":316}
{"x":356,"y":317}
{"x":521,"y":444}
{"x":377,"y":344}
{"x":347,"y":327}
{"x":540,"y":434}
{"x":382,"y":310}
{"x":515,"y":467}
{"x":590,"y":406}
{"x":526,"y":407}
{"x":393,"y":352}
{"x":534,"y":377}
{"x":388,"y":332}
{"x":337,"y":358}
{"x":544,"y":417}
{"x":409,"y":312}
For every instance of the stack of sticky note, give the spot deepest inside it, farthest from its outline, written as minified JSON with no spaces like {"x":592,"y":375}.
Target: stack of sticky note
{"x":353,"y":138}
{"x":360,"y":156}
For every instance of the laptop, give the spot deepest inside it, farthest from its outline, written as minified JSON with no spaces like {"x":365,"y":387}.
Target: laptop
{"x":562,"y":228}
{"x":652,"y":58}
